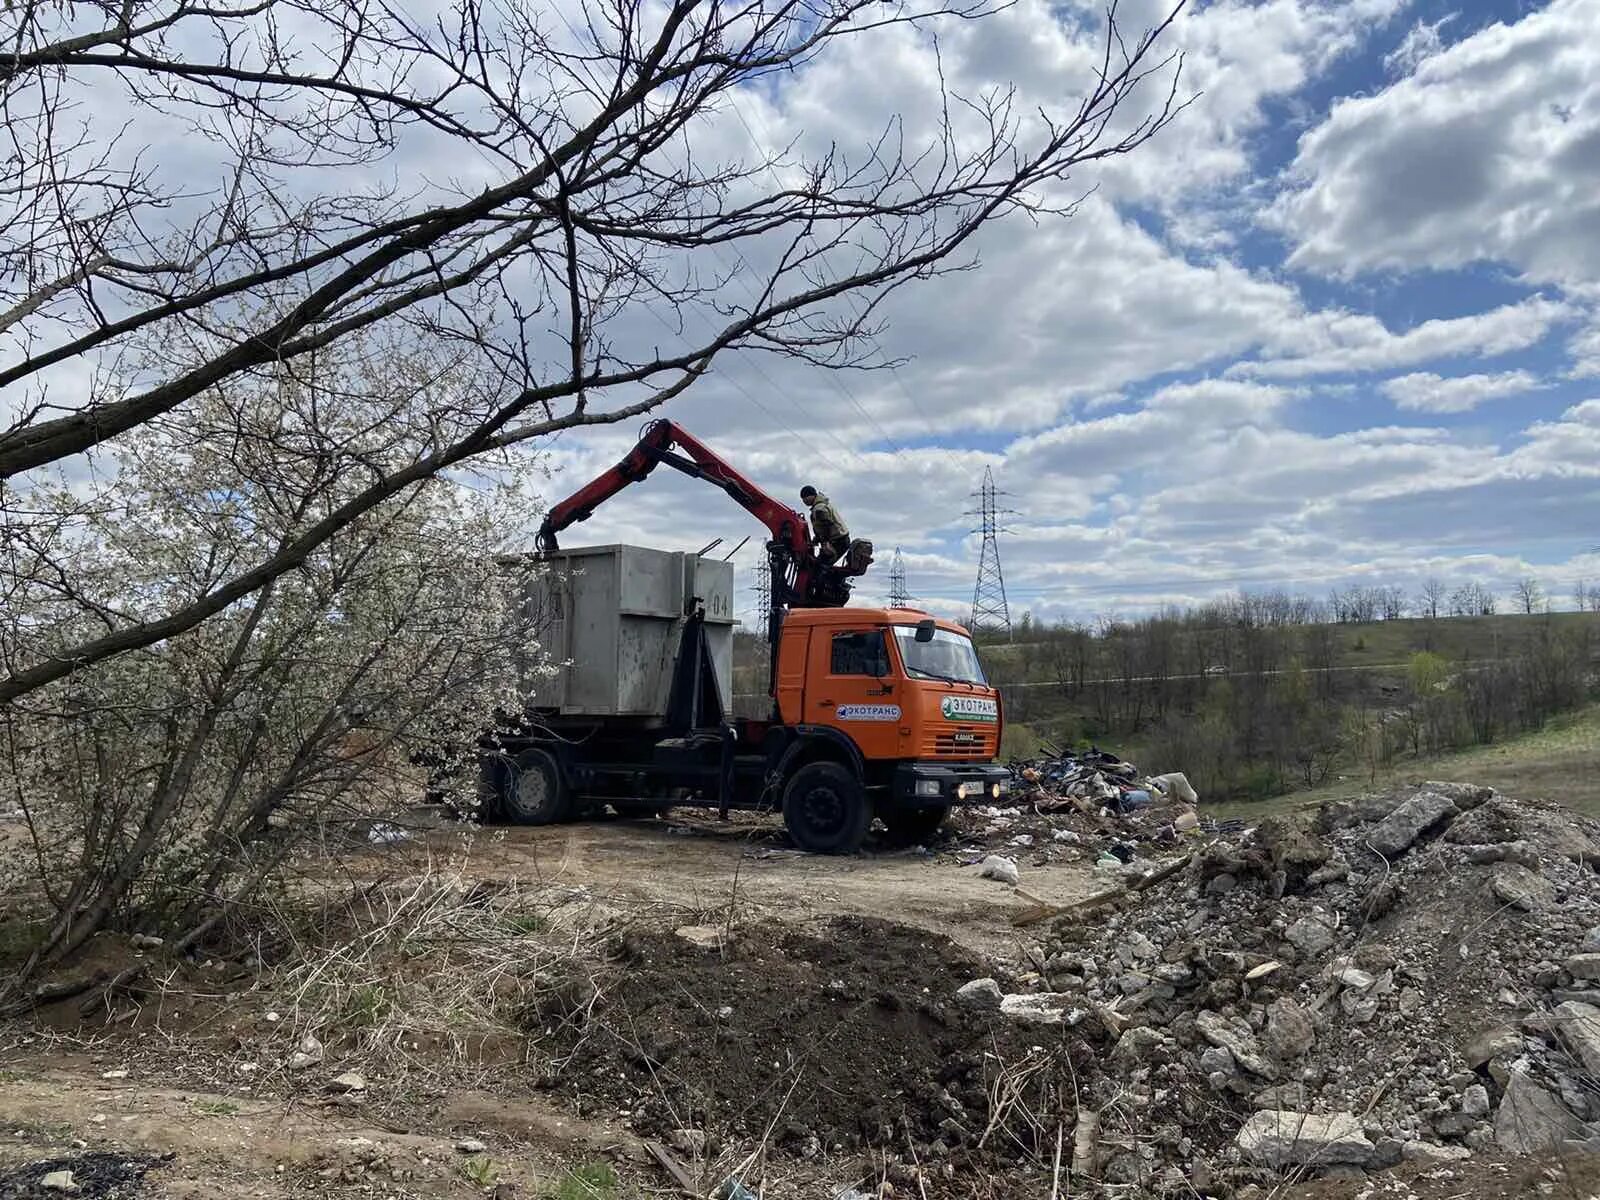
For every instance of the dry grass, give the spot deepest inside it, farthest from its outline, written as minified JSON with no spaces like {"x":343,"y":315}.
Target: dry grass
{"x":431,"y":973}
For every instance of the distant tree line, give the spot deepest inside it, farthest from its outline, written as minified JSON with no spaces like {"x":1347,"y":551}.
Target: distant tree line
{"x":1256,"y":694}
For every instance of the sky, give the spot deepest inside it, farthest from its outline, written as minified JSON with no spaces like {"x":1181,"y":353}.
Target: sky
{"x":1338,"y":324}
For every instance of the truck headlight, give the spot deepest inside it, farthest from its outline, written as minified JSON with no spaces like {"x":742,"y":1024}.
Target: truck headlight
{"x":1001,"y":788}
{"x":928,"y":787}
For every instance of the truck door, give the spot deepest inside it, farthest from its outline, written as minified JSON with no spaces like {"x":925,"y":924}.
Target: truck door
{"x":852,"y":687}
{"x":793,"y":663}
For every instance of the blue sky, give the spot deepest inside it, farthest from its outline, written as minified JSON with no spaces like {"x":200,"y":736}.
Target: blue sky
{"x":1339,"y":324}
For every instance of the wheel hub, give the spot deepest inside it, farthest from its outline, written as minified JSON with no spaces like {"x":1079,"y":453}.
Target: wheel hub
{"x":823,"y":809}
{"x":533,"y":791}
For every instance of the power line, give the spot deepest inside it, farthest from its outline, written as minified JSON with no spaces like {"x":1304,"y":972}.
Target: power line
{"x":989,"y":607}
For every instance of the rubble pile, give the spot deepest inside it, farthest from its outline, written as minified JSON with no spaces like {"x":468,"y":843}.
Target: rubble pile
{"x":1411,"y":976}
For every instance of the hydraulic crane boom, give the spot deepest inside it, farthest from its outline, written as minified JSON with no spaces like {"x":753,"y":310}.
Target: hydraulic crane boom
{"x":660,"y":439}
{"x":798,"y":579}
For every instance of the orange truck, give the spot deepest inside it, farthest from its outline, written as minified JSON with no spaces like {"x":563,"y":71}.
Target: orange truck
{"x":876,"y":712}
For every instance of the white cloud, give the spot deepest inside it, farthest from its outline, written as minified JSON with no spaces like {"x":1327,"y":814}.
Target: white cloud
{"x":1422,"y":41}
{"x":1423,"y":391}
{"x":1336,"y":342}
{"x":1489,"y":152}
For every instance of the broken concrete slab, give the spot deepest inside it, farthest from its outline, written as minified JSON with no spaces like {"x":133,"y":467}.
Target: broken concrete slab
{"x":1432,"y":1154}
{"x":1043,"y":1008}
{"x":1521,"y":888}
{"x":1277,"y":1138}
{"x":1532,"y":1119}
{"x":1584,"y":966}
{"x":1424,"y":812}
{"x":1465,"y":795}
{"x":1216,"y":1029}
{"x":1578,"y":1028}
{"x":1494,"y":821}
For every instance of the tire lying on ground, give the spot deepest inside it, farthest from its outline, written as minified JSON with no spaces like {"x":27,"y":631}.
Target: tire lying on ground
{"x":825,"y":809}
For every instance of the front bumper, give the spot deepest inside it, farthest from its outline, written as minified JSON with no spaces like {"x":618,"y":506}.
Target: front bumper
{"x":932,"y":785}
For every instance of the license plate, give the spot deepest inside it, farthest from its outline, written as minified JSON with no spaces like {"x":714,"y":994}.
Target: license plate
{"x":966,"y":739}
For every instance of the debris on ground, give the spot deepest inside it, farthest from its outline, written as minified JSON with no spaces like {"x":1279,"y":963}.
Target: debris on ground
{"x":1370,"y":984}
{"x":1000,"y":868}
{"x":1093,"y":807}
{"x":1333,"y":994}
{"x":93,"y":1175}
{"x":1096,"y":779}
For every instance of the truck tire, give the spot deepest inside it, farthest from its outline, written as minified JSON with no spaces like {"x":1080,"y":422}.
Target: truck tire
{"x":536,"y":794}
{"x":912,"y":825}
{"x":826,"y":809}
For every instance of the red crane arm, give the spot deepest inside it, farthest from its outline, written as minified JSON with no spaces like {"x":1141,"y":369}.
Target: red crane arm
{"x":659,"y":444}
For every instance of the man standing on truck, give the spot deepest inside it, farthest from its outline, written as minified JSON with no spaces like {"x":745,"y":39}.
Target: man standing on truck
{"x":829,"y":534}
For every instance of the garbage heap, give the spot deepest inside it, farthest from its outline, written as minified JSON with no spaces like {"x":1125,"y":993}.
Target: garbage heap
{"x":1094,"y":780}
{"x":1408,"y":976}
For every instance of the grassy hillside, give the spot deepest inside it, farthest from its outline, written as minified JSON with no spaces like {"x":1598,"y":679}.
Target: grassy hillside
{"x":1559,"y":763}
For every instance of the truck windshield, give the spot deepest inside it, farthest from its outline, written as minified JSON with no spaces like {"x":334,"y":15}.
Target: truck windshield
{"x":949,"y":656}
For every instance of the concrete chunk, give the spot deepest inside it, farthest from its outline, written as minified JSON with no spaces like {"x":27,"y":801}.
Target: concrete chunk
{"x":1216,"y":1030}
{"x":1278,"y":1139}
{"x":1521,"y":888}
{"x":1578,"y":1027}
{"x":980,"y":993}
{"x":1424,"y":811}
{"x":1532,"y":1119}
{"x":1490,"y":1044}
{"x":1042,"y":1008}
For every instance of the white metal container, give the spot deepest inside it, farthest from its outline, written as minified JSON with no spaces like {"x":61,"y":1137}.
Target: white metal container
{"x":611,"y":619}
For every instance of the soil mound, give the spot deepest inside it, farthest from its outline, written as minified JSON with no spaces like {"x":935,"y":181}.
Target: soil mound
{"x":831,"y":1039}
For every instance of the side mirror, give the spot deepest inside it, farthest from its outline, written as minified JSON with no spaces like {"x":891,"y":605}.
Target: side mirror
{"x":925,"y":631}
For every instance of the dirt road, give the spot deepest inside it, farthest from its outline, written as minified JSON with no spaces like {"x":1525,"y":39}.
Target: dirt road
{"x":706,"y":867}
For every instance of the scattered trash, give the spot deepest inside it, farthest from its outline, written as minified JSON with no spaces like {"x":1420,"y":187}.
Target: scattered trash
{"x":470,"y":1146}
{"x":145,"y":941}
{"x":308,"y":1055}
{"x":1000,"y":868}
{"x":732,"y":1189}
{"x":90,"y":1174}
{"x":1096,"y":778}
{"x":387,"y":835}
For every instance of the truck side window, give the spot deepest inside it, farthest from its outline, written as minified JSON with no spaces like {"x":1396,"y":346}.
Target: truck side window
{"x":860,"y":654}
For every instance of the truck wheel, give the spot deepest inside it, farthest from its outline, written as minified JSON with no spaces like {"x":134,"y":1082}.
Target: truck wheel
{"x":536,"y":795}
{"x":826,"y":810}
{"x":911,"y":825}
